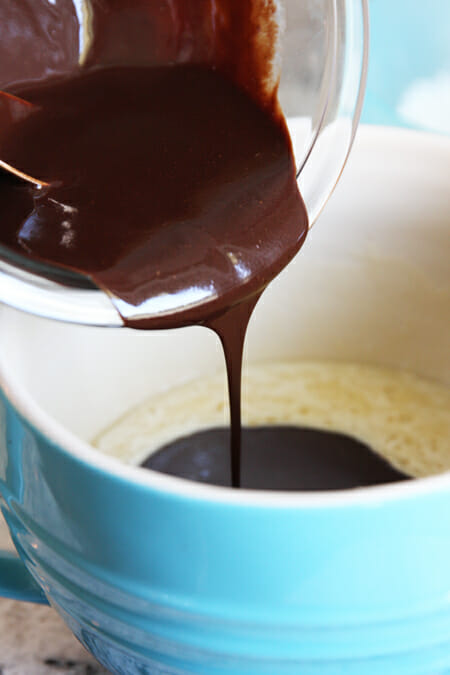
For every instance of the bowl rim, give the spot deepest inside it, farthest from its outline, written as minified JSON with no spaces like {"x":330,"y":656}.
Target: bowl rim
{"x":68,"y":443}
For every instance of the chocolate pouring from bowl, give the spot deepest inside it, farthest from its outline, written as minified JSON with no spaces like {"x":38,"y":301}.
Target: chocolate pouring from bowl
{"x":157,"y":575}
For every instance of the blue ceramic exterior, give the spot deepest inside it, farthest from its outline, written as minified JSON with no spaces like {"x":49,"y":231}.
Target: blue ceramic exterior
{"x":155,"y":582}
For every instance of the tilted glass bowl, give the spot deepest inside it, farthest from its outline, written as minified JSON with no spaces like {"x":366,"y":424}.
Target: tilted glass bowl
{"x":324,"y":61}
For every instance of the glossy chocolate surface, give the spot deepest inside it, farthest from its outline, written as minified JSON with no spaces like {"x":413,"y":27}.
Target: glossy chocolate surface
{"x":167,"y":186}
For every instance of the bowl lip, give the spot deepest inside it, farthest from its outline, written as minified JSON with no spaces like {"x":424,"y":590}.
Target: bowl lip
{"x":69,"y":444}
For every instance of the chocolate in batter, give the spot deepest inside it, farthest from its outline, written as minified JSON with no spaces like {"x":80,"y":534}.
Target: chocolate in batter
{"x":276,"y":458}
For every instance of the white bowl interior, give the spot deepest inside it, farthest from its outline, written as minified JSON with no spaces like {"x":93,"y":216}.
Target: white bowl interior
{"x":371,"y":285}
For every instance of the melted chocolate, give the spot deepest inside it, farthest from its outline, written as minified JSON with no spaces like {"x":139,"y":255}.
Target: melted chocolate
{"x":168,"y":185}
{"x":171,"y":170}
{"x":42,"y":39}
{"x":38,"y":39}
{"x":276,"y":458}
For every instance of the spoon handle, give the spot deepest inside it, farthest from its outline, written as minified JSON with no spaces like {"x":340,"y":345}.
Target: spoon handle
{"x":14,"y":109}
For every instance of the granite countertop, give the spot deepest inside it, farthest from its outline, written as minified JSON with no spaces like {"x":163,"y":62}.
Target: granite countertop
{"x":35,"y":641}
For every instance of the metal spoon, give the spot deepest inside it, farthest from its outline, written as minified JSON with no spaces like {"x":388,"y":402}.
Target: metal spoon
{"x":14,"y":109}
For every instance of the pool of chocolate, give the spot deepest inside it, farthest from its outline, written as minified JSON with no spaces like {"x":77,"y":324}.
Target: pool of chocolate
{"x":278,"y":457}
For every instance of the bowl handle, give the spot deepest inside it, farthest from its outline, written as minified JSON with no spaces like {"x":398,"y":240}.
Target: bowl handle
{"x":16,"y":582}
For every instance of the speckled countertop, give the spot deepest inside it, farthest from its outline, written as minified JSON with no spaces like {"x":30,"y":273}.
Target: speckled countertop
{"x":35,"y":641}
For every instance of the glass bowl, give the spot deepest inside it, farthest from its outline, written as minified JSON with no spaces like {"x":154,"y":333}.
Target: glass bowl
{"x":323,"y":70}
